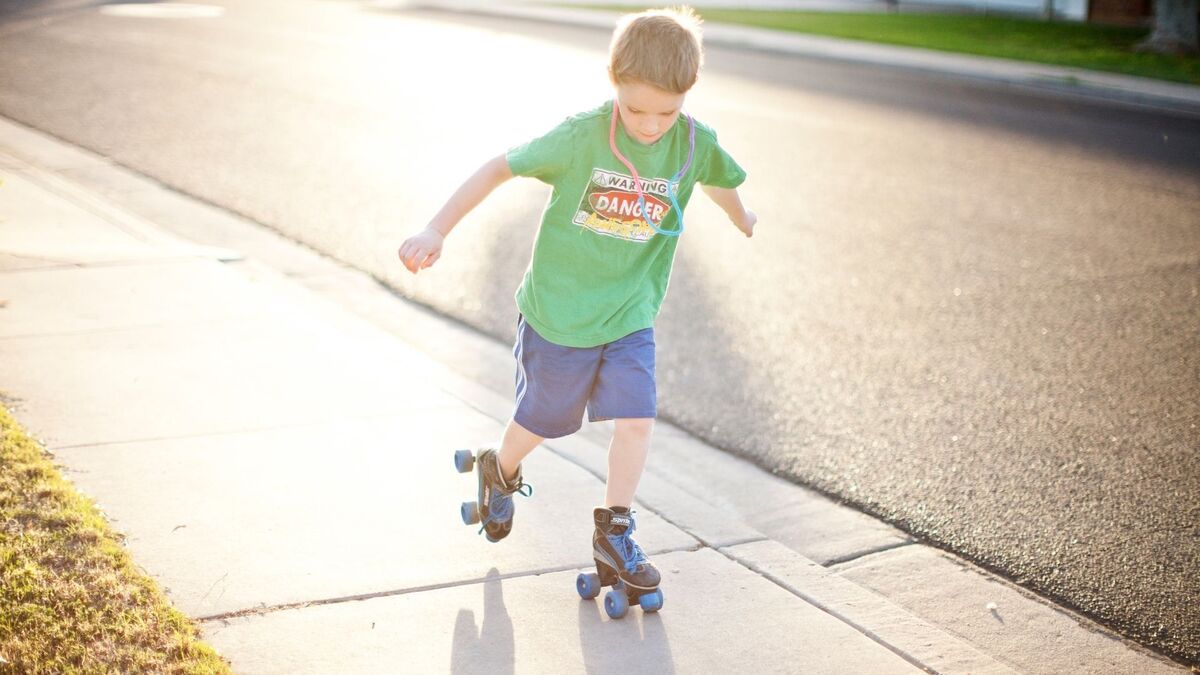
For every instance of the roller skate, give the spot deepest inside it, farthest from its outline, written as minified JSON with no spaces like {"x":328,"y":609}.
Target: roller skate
{"x":620,"y":563}
{"x":494,"y":508}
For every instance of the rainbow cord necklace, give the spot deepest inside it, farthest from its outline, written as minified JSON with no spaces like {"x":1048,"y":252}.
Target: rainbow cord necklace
{"x":672,"y":185}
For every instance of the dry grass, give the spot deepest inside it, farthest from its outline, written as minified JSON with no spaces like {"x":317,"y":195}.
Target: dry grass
{"x":71,"y":599}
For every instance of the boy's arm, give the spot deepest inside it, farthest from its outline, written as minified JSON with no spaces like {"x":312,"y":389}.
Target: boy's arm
{"x":731,"y":203}
{"x":425,"y":247}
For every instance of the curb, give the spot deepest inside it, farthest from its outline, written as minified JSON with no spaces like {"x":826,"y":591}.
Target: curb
{"x":1076,"y":83}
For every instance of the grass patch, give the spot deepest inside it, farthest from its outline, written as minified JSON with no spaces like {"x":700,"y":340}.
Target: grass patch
{"x":71,"y":598}
{"x":1080,"y":45}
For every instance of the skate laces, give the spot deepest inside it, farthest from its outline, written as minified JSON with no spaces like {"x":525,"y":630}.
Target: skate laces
{"x":500,"y":510}
{"x":631,"y":553}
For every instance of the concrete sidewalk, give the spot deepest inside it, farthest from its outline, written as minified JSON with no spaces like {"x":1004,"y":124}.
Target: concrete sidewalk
{"x":1060,"y":80}
{"x":273,"y":432}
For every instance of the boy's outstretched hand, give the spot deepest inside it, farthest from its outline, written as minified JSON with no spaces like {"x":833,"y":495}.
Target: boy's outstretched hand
{"x":731,"y":203}
{"x":749,"y":220}
{"x":421,"y":250}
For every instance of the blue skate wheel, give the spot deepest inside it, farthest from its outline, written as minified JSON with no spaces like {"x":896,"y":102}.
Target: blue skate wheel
{"x":616,"y":603}
{"x":470,"y":513}
{"x":652,"y":602}
{"x":464,"y":461}
{"x":588,"y":585}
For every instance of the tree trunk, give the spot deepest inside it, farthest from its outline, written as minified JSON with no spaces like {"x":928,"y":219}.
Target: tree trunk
{"x":1174,"y":28}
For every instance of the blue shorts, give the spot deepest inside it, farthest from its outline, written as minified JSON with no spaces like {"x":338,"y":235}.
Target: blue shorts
{"x":555,"y":383}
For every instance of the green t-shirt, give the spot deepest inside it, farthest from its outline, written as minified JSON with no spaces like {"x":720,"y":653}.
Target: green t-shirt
{"x":599,"y":272}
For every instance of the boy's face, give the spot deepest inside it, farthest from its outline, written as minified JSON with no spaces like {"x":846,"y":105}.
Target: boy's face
{"x":647,"y":112}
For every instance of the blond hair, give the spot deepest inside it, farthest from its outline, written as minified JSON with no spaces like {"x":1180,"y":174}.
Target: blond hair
{"x":660,"y":47}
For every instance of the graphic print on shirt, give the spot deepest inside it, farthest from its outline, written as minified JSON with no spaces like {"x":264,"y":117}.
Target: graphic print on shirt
{"x":610,"y":207}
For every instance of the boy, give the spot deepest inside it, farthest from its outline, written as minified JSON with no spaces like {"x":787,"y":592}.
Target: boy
{"x":621,"y":174}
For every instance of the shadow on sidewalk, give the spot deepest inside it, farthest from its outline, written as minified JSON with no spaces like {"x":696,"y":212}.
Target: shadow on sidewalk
{"x":491,"y":648}
{"x":636,"y":643}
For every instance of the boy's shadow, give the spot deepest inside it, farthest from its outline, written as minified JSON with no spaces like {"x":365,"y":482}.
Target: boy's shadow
{"x":491,"y":648}
{"x":637,"y":643}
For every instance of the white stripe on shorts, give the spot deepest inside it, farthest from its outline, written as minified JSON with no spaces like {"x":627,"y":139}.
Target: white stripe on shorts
{"x":523,"y":380}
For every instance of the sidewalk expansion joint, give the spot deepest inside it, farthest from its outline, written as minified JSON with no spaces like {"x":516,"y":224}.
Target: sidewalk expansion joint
{"x":828,"y":610}
{"x":54,"y":263}
{"x":661,"y":513}
{"x":858,"y":555}
{"x":271,"y":609}
{"x":736,"y":542}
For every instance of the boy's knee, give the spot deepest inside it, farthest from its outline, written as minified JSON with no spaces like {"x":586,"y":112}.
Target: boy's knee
{"x":634,"y":427}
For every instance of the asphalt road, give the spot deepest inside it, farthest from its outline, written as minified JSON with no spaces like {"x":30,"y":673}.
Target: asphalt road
{"x":971,"y":310}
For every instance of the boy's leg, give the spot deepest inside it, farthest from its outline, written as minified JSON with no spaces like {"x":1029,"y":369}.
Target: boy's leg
{"x":626,"y":459}
{"x":624,"y":392}
{"x":552,"y":385}
{"x":516,"y":444}
{"x":613,"y":546}
{"x":499,"y":475}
